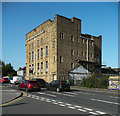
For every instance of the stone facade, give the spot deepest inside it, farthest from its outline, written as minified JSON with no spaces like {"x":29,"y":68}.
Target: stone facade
{"x":56,"y":47}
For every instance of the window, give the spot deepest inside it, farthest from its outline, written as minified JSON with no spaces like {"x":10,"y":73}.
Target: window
{"x":82,"y":54}
{"x":38,"y":68}
{"x":61,"y":59}
{"x":41,"y":40}
{"x":46,"y":66}
{"x":61,"y":35}
{"x":97,"y":58}
{"x":32,"y":46}
{"x":32,"y":67}
{"x":72,"y":65}
{"x":32,"y":56}
{"x":77,"y":53}
{"x":38,"y":53}
{"x":85,"y":54}
{"x":46,"y":51}
{"x":72,"y":38}
{"x":85,"y":41}
{"x":38,"y":43}
{"x":82,"y":41}
{"x":78,"y":27}
{"x":41,"y":67}
{"x":91,"y":55}
{"x":77,"y":39}
{"x":91,"y":43}
{"x":29,"y":67}
{"x":53,"y":43}
{"x":72,"y":52}
{"x":41,"y":52}
{"x":29,"y":56}
{"x":29,"y":46}
{"x":54,"y":59}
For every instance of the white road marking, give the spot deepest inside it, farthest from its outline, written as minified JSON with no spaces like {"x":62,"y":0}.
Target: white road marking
{"x":42,"y":99}
{"x":77,"y":106}
{"x":85,"y":93}
{"x":37,"y":98}
{"x":71,"y":107}
{"x":88,"y":109}
{"x":60,"y":102}
{"x":33,"y":96}
{"x":51,"y":95}
{"x":93,"y":113}
{"x":29,"y":95}
{"x":61,"y":105}
{"x":100,"y":112}
{"x":54,"y":102}
{"x":105,"y":101}
{"x":114,"y":97}
{"x":41,"y":93}
{"x":48,"y":101}
{"x":63,"y":94}
{"x":8,"y":90}
{"x":81,"y":110}
{"x":46,"y":94}
{"x":57,"y":93}
{"x":71,"y":93}
{"x":68,"y":104}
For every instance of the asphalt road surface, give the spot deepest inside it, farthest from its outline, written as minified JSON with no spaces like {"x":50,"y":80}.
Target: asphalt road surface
{"x":73,"y":102}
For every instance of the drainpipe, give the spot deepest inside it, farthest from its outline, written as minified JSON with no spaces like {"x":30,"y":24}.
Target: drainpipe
{"x":48,"y":57}
{"x":34,"y":57}
{"x":87,"y":56}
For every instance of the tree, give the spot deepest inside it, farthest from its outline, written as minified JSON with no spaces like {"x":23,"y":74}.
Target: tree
{"x":7,"y":69}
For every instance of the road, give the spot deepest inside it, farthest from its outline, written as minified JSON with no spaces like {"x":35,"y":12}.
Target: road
{"x":73,"y":102}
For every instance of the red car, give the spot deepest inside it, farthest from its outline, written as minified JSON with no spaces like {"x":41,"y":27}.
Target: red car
{"x":4,"y":80}
{"x":29,"y":85}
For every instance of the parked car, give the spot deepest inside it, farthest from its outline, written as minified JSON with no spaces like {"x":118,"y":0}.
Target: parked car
{"x":58,"y":86}
{"x":16,"y":80}
{"x":4,"y":80}
{"x":10,"y":78}
{"x":29,"y":85}
{"x":42,"y":82}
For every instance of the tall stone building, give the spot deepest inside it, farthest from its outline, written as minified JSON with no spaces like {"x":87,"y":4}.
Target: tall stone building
{"x":56,"y":47}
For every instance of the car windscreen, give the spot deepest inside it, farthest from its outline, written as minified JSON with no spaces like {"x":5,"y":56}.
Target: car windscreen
{"x":41,"y":81}
{"x":65,"y":82}
{"x":5,"y":78}
{"x":33,"y":82}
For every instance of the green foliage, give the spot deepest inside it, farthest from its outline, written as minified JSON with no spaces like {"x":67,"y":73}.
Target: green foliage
{"x":7,"y":70}
{"x":95,"y":81}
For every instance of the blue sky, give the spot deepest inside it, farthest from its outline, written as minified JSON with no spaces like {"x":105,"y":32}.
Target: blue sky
{"x":18,"y":18}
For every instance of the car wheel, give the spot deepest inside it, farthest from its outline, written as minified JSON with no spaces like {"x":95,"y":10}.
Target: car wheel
{"x":58,"y":89}
{"x":26,"y":89}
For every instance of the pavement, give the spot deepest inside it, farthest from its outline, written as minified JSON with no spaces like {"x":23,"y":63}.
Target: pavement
{"x":8,"y":94}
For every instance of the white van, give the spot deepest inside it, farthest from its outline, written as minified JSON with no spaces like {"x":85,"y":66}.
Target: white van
{"x":16,"y":80}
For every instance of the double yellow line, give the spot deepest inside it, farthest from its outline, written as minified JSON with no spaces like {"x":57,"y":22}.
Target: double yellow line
{"x":15,"y":100}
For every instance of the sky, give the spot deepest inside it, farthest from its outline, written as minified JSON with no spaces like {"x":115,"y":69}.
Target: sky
{"x":18,"y":18}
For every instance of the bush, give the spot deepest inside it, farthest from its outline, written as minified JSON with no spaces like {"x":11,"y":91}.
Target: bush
{"x":95,"y":81}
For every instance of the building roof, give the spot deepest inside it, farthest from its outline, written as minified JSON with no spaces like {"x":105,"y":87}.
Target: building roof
{"x":24,"y":68}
